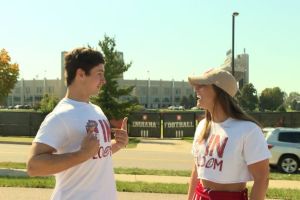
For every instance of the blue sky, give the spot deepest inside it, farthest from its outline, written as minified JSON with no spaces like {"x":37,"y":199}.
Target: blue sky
{"x":170,"y":39}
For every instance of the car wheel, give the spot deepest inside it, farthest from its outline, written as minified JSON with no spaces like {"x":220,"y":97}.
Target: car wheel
{"x":288,"y":164}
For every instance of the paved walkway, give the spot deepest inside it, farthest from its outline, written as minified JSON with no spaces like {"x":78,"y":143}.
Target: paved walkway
{"x":44,"y":194}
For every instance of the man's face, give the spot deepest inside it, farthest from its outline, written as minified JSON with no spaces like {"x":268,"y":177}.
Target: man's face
{"x":95,"y":80}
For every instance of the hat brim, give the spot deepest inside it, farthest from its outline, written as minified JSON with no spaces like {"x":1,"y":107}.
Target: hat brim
{"x":198,"y":80}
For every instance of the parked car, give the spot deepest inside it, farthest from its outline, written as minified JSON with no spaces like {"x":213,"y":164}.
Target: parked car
{"x":284,"y":144}
{"x":176,"y":107}
{"x":266,"y":130}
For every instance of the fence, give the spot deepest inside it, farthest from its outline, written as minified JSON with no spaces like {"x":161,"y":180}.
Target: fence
{"x":20,"y":123}
{"x":144,"y":124}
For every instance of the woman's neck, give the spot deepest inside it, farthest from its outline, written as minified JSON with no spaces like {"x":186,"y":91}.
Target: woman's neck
{"x":218,"y":115}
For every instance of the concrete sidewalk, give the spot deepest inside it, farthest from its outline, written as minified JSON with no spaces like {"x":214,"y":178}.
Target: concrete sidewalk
{"x":11,"y":193}
{"x":285,"y":184}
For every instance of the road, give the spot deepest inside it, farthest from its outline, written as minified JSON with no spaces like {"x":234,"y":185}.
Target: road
{"x":150,"y":154}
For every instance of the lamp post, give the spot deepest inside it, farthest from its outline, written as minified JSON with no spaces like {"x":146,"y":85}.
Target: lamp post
{"x":233,"y":23}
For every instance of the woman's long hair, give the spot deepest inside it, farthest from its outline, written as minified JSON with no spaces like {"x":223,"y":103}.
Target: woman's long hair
{"x":231,"y":109}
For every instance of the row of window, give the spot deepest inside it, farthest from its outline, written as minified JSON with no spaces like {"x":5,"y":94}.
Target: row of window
{"x":38,"y":90}
{"x":27,"y":99}
{"x":166,"y":91}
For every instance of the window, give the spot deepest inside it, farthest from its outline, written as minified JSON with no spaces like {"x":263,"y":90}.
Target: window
{"x":166,"y":99}
{"x":142,"y":91}
{"x":50,"y":90}
{"x":154,"y":91}
{"x":27,"y":90}
{"x":188,"y":91}
{"x":156,"y":100}
{"x":167,"y":91}
{"x":17,"y":98}
{"x":39,"y":90}
{"x":292,"y":137}
{"x":143,"y":99}
{"x":18,"y":90}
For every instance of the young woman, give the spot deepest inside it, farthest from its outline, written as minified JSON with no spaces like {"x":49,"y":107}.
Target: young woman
{"x":229,"y":147}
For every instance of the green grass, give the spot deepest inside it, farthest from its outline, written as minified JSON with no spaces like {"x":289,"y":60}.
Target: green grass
{"x":139,"y":171}
{"x":49,"y":182}
{"x":282,"y":176}
{"x":188,"y":139}
{"x":36,"y":182}
{"x":17,"y":139}
{"x":17,"y":110}
{"x":12,"y":165}
{"x":288,"y":194}
{"x":133,"y":142}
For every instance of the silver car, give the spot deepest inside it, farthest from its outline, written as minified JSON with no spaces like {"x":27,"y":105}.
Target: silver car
{"x":284,"y":144}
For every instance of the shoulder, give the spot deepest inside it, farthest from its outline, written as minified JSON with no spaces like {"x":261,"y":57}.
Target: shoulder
{"x":245,"y":125}
{"x":97,"y":108}
{"x":202,"y":122}
{"x":67,"y":107}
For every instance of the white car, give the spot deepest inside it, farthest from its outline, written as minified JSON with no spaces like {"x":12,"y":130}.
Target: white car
{"x":284,"y":144}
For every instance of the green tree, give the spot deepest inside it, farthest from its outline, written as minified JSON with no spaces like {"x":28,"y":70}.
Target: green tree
{"x":48,"y":103}
{"x":8,"y":74}
{"x":109,"y":96}
{"x":281,"y":108}
{"x":185,"y":102}
{"x":271,"y":98}
{"x":292,"y":99}
{"x":294,"y":104}
{"x":248,"y":97}
{"x":192,"y":101}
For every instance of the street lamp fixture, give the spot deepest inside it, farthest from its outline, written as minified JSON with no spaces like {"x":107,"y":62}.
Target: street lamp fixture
{"x":232,"y":53}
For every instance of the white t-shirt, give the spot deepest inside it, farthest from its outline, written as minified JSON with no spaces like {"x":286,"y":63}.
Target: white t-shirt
{"x":231,"y":146}
{"x":64,"y":129}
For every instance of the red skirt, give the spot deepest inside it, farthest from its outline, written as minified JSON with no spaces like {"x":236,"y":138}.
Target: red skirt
{"x":202,"y":193}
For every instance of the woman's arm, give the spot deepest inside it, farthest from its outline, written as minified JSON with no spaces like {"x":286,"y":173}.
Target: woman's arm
{"x":193,"y":183}
{"x":260,"y":173}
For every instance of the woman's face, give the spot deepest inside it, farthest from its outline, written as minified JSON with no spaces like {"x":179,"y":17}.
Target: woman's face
{"x":205,"y":96}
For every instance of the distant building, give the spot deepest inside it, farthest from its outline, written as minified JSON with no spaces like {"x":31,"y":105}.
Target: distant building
{"x":30,"y":92}
{"x":150,"y":93}
{"x":241,"y":68}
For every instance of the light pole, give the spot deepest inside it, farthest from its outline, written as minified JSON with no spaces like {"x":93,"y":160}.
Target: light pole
{"x":233,"y":23}
{"x":148,"y":89}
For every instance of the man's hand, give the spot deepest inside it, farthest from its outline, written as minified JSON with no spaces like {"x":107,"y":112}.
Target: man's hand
{"x":89,"y":145}
{"x":121,"y":135}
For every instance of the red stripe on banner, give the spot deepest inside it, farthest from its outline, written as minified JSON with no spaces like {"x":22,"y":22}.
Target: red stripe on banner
{"x":103,"y":130}
{"x":108,"y":129}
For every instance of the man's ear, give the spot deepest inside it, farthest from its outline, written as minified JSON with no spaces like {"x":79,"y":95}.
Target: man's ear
{"x":80,"y":74}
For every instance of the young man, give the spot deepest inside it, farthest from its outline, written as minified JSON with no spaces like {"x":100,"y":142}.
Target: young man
{"x":74,"y":140}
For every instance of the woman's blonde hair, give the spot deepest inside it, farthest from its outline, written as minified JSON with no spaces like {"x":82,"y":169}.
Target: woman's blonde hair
{"x":231,"y":109}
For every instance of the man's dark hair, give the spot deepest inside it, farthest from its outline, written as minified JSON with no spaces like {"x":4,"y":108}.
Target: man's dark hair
{"x":83,"y":58}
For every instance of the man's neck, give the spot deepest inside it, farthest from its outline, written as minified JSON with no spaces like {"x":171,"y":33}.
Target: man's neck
{"x":77,"y":94}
